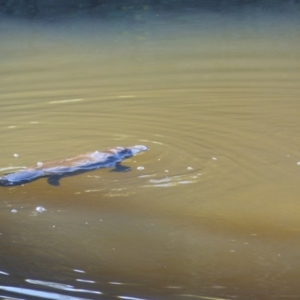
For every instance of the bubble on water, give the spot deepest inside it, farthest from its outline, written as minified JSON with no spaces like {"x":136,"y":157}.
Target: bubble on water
{"x":140,"y":168}
{"x":214,"y":158}
{"x":298,"y":163}
{"x":166,"y":171}
{"x":16,"y":155}
{"x":189,"y":168}
{"x":40,"y":209}
{"x":14,"y":211}
{"x":39,"y":163}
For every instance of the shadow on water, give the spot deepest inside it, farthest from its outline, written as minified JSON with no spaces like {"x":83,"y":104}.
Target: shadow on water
{"x":211,"y":212}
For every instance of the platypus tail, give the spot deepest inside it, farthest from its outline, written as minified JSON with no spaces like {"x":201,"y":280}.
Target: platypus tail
{"x":4,"y":182}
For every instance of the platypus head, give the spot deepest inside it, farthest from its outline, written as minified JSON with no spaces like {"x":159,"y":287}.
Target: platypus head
{"x":138,"y":149}
{"x":129,"y":151}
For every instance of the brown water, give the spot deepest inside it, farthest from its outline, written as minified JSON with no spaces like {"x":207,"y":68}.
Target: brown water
{"x":210,"y":212}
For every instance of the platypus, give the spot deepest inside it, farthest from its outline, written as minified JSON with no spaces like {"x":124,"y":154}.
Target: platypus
{"x":55,"y":170}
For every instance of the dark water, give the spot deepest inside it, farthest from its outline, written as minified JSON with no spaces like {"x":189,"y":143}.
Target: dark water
{"x":209,"y":212}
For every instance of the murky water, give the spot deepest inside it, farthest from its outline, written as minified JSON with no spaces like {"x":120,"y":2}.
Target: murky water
{"x":210,"y":212}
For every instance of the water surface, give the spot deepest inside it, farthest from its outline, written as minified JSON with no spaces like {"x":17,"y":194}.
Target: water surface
{"x":209,"y":212}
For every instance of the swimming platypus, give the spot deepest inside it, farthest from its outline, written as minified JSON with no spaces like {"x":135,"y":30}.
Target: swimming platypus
{"x":55,"y":170}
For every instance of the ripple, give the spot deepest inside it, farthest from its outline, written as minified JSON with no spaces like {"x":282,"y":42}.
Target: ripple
{"x":130,"y":298}
{"x":60,"y":286}
{"x":40,"y":294}
{"x":173,"y":181}
{"x":3,"y":273}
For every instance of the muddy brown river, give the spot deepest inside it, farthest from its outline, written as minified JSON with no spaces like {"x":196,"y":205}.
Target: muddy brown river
{"x":211,"y":211}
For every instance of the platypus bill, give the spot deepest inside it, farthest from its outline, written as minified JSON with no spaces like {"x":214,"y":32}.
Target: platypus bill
{"x":55,"y":170}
